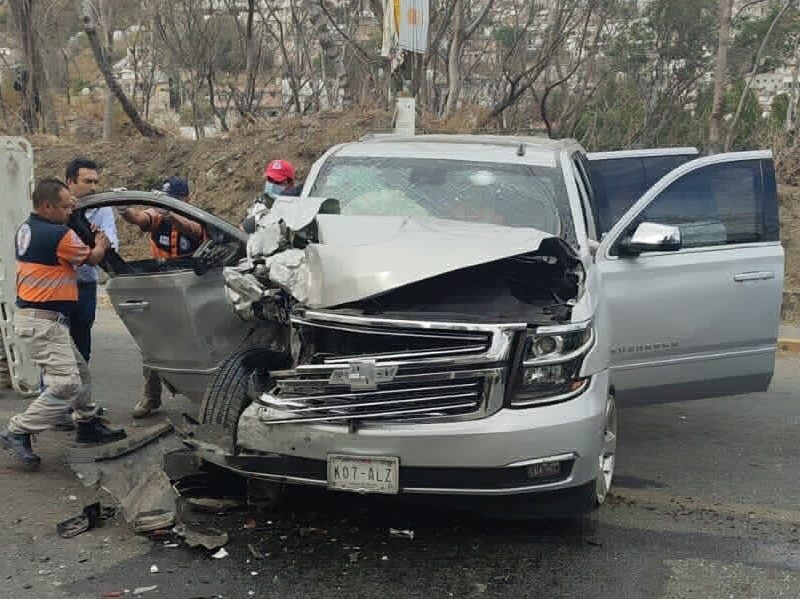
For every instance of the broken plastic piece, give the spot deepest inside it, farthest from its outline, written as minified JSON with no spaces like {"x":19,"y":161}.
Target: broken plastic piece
{"x":143,"y":590}
{"x":198,"y":535}
{"x":76,"y":525}
{"x":221,"y":554}
{"x":402,"y":533}
{"x":213,"y":504}
{"x":153,"y":520}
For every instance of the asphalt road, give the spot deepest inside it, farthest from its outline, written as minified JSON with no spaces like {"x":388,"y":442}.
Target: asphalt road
{"x":706,"y":504}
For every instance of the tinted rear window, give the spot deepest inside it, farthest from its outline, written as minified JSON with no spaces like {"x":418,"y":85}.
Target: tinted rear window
{"x":619,"y":182}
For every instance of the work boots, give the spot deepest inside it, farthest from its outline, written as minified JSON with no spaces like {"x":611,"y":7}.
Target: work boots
{"x":20,"y":445}
{"x":152,"y":395}
{"x":94,"y":431}
{"x":145,"y":407}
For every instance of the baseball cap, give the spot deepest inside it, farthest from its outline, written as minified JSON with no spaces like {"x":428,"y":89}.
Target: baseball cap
{"x":175,"y":187}
{"x":279,"y":171}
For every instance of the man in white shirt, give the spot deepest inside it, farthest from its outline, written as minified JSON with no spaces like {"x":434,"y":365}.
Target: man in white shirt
{"x":82,"y":179}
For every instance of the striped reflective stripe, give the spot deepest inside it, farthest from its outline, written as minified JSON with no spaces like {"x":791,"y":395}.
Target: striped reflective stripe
{"x":43,"y":283}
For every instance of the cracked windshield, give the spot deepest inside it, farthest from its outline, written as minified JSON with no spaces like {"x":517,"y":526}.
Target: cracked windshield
{"x":502,"y":194}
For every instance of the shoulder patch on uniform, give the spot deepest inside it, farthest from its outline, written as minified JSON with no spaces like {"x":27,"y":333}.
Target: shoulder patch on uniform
{"x":23,"y":239}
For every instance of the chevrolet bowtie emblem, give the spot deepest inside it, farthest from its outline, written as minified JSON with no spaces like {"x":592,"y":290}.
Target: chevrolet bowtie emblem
{"x":362,"y":375}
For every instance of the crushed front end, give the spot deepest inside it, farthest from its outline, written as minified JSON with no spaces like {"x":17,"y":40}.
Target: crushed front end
{"x":467,"y":382}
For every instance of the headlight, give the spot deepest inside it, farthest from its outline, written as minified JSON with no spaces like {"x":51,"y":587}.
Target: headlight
{"x":551,"y":363}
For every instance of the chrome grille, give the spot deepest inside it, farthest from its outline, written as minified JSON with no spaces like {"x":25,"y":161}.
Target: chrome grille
{"x":353,"y":368}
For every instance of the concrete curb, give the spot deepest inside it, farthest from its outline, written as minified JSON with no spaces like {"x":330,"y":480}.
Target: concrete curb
{"x":789,"y":346}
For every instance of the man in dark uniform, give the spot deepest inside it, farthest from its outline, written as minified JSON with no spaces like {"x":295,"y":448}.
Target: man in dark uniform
{"x":171,"y":236}
{"x":48,"y":254}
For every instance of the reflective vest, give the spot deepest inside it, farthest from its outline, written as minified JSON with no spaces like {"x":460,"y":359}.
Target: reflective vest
{"x":47,"y":256}
{"x":167,"y":242}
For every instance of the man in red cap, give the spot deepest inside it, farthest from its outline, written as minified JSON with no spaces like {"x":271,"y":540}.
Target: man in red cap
{"x":279,"y":178}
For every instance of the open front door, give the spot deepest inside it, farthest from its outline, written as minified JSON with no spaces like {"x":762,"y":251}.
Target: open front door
{"x":180,"y":319}
{"x":699,"y":318}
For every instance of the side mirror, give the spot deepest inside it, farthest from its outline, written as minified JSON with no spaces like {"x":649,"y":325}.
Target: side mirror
{"x":651,"y":237}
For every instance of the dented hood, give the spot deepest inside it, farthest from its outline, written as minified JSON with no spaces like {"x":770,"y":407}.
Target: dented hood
{"x":359,"y":257}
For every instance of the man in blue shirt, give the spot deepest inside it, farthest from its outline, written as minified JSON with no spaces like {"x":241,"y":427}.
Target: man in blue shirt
{"x":82,"y":179}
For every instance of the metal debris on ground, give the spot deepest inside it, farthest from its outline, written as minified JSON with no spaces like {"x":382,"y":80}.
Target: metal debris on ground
{"x":131,"y":471}
{"x":401,"y":533}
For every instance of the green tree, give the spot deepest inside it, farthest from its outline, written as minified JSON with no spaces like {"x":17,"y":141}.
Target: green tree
{"x":778,"y":109}
{"x":750,"y":122}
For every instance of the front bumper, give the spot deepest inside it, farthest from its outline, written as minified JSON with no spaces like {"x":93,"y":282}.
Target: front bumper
{"x":488,"y":456}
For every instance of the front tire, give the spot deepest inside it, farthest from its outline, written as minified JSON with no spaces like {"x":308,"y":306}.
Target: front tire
{"x":227,"y":395}
{"x":607,"y":458}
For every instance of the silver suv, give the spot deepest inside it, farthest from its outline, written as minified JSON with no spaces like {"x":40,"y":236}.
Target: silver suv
{"x":466,"y":317}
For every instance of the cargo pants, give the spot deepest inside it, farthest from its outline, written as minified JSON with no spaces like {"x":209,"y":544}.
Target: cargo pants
{"x":67,"y":383}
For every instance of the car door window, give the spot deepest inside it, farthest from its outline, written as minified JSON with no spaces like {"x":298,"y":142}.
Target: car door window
{"x":729,"y":203}
{"x":619,"y":182}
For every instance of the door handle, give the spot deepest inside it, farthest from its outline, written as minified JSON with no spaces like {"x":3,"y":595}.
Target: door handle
{"x":134,"y":305}
{"x":753,"y":276}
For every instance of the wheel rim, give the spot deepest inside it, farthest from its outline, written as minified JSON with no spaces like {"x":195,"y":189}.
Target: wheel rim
{"x":607,"y":458}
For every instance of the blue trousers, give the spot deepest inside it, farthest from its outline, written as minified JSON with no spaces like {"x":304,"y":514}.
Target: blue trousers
{"x":82,"y":318}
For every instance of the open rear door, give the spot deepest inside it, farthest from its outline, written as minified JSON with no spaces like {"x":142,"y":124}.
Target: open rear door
{"x":700,"y":319}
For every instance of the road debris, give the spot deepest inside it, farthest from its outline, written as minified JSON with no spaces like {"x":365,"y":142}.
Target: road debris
{"x":401,"y":533}
{"x":143,"y":590}
{"x":195,"y":534}
{"x":154,"y":569}
{"x":89,"y":518}
{"x":114,"y":594}
{"x":214,"y":504}
{"x":220,"y":554}
{"x":131,"y":471}
{"x":153,"y":520}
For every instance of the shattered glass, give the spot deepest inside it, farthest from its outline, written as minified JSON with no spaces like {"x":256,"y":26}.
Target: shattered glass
{"x":513,"y":195}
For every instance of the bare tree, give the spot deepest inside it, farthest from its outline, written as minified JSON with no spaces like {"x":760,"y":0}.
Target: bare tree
{"x":332,"y":53}
{"x":101,"y":58}
{"x":31,"y":81}
{"x":463,"y":30}
{"x":756,"y":63}
{"x":189,"y":32}
{"x":563,"y":19}
{"x":720,"y":75}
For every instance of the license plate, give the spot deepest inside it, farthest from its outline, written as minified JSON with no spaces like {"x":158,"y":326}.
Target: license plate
{"x":363,"y":474}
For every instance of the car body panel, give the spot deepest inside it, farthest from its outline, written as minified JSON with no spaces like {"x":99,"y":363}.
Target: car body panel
{"x":360,"y":257}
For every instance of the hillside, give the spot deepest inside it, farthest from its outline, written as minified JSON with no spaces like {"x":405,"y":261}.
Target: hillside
{"x":225,"y":173}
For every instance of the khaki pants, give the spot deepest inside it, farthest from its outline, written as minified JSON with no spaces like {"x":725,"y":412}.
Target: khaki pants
{"x":152,"y":385}
{"x":65,"y":373}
